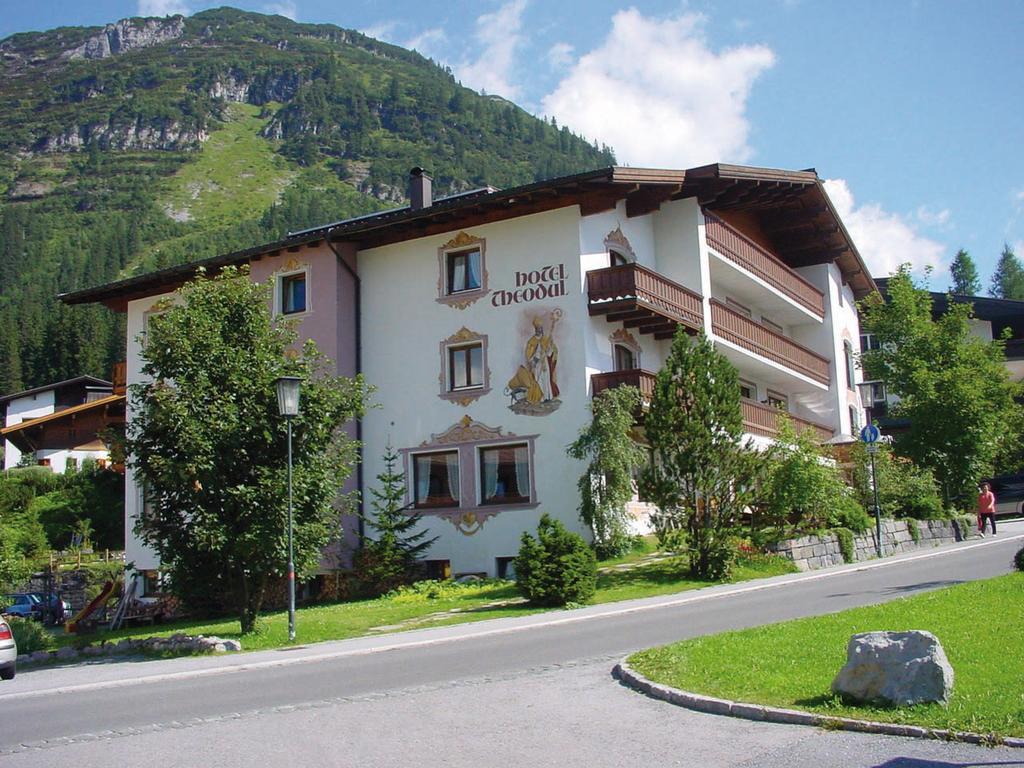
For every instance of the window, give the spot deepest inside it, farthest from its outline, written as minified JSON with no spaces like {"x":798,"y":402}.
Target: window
{"x":625,"y":360}
{"x":778,"y":400}
{"x":854,"y":421}
{"x":848,"y":358}
{"x":464,"y":271}
{"x":616,"y":259}
{"x":868,"y":342}
{"x":44,"y":462}
{"x":152,"y":583}
{"x":505,"y":475}
{"x":735,"y":306}
{"x":436,"y":479}
{"x":465,"y":367}
{"x":771,"y":325}
{"x":293,"y":294}
{"x":748,"y":390}
{"x":505,"y":567}
{"x":71,"y":464}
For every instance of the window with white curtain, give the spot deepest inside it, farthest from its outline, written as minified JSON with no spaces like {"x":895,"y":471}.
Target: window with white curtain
{"x":464,"y":270}
{"x":505,"y":474}
{"x":436,"y":479}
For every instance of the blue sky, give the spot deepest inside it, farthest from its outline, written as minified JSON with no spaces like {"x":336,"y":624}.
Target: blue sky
{"x":912,"y":110}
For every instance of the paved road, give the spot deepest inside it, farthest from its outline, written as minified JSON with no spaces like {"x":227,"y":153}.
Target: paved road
{"x":507,"y":691}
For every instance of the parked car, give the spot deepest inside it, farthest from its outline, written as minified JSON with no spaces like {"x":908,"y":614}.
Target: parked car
{"x":8,"y":652}
{"x":25,"y":605}
{"x":54,"y":612}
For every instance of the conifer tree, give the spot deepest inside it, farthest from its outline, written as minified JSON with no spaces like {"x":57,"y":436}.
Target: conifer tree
{"x":1008,"y":279}
{"x":388,"y":557}
{"x":965,"y":275}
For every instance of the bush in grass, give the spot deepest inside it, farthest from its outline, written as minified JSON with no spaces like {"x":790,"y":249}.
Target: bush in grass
{"x":1018,"y":559}
{"x":29,"y":635}
{"x":557,"y":567}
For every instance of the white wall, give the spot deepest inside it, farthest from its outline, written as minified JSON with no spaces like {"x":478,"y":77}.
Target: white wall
{"x":22,"y":409}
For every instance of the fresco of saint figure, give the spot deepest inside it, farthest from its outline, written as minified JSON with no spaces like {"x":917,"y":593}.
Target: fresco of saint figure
{"x":534,"y":387}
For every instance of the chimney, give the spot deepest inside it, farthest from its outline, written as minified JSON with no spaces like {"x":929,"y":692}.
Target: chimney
{"x":421,"y":193}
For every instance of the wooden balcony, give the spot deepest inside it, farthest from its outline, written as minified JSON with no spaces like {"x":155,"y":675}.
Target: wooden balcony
{"x":741,"y":250}
{"x":641,"y":298}
{"x":634,"y":377}
{"x":756,"y":338}
{"x":759,"y":419}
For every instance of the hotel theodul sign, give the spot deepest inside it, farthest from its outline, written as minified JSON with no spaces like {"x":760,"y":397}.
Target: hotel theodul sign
{"x":544,"y":283}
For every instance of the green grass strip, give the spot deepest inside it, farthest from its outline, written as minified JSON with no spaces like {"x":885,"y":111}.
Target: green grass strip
{"x":792,"y":664}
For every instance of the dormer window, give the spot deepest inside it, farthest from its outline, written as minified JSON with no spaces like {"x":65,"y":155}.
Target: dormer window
{"x":464,"y":271}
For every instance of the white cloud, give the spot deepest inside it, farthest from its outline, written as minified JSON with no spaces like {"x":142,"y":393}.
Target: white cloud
{"x":498,"y":35}
{"x":382,"y":30}
{"x":932,"y":218}
{"x":560,"y":55}
{"x":885,"y":240}
{"x":657,"y":94}
{"x":163,"y":8}
{"x":430,"y":43}
{"x":285,"y":8}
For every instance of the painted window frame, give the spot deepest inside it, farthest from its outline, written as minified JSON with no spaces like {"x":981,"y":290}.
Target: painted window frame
{"x":422,"y":506}
{"x":279,"y":281}
{"x":504,"y":501}
{"x":626,"y":340}
{"x":848,"y":361}
{"x":464,"y":395}
{"x":460,"y":244}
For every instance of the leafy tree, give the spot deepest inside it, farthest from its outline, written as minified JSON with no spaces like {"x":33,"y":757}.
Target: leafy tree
{"x":904,"y":489}
{"x":703,"y":476}
{"x":388,"y":557}
{"x":209,"y":446}
{"x":953,"y":386}
{"x":803,"y":489}
{"x":965,"y":275}
{"x":606,"y":487}
{"x":1008,"y":279}
{"x":557,"y":567}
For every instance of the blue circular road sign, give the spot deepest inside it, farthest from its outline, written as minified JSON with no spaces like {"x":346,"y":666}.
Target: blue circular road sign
{"x":870,"y":434}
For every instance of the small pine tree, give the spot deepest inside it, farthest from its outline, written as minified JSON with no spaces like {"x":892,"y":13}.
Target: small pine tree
{"x":965,"y":275}
{"x":1008,"y":279}
{"x":557,"y":567}
{"x":388,"y":555}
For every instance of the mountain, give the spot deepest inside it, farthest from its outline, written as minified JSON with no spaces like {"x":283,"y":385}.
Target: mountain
{"x":150,"y":142}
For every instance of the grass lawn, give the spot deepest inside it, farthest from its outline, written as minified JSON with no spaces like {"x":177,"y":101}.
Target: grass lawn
{"x":980,"y":626}
{"x":449,"y":604}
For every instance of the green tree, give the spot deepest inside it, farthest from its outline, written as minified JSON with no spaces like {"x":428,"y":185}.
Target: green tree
{"x":965,"y":275}
{"x":210,"y":448}
{"x":1008,"y":279}
{"x":607,"y":484}
{"x":557,"y":567}
{"x":388,"y":557}
{"x":703,"y":476}
{"x":953,"y":385}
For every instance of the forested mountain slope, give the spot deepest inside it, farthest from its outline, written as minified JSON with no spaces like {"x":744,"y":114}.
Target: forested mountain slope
{"x":150,"y":142}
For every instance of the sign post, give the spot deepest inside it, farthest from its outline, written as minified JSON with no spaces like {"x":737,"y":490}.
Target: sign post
{"x":870,"y":435}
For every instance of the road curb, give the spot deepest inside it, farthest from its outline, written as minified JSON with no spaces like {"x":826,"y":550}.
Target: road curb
{"x":629,"y":677}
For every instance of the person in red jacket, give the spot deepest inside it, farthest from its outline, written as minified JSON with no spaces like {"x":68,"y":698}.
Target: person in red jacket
{"x":986,"y":509}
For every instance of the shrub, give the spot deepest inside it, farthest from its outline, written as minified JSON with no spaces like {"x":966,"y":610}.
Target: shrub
{"x":914,"y":531}
{"x":845,"y":538}
{"x":29,"y":635}
{"x":904,"y":489}
{"x":1018,"y":559}
{"x":557,"y":567}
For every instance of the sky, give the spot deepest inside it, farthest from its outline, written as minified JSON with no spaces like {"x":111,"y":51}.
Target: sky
{"x":911,"y":110}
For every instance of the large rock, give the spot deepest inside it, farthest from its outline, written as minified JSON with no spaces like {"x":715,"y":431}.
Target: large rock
{"x":900,"y":668}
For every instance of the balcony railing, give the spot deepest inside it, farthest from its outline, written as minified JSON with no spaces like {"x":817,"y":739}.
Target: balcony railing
{"x":634,"y":377}
{"x":765,"y":342}
{"x":741,"y":250}
{"x":641,"y":298}
{"x":761,"y":419}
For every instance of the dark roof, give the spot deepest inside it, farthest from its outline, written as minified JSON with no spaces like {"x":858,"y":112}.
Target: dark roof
{"x":793,"y":204}
{"x":83,"y":380}
{"x":985,"y":307}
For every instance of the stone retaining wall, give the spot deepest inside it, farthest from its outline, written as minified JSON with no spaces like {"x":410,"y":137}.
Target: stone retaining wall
{"x":812,"y":552}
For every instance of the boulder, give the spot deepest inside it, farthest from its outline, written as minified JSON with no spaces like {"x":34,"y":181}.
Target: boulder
{"x":900,"y":668}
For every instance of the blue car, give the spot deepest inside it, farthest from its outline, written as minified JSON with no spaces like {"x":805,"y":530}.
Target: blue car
{"x":27,"y":606}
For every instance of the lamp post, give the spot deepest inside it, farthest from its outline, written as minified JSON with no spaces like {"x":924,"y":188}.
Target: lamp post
{"x":288,"y":406}
{"x":870,"y":435}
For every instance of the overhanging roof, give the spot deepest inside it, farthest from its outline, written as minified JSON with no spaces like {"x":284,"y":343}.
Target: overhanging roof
{"x":792,"y":203}
{"x":84,"y":380}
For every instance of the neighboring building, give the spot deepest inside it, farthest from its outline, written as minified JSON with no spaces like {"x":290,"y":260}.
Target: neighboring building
{"x":487,"y":321}
{"x":58,"y":425}
{"x":993,"y":318}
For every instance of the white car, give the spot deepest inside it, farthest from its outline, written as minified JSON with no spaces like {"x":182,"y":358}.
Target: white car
{"x":8,"y":652}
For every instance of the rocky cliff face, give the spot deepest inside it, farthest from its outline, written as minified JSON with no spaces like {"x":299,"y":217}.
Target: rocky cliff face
{"x":236,"y":86}
{"x":128,"y":35}
{"x":167,"y":135}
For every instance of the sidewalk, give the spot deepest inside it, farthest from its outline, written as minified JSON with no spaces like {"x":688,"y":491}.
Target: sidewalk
{"x":117,"y":672}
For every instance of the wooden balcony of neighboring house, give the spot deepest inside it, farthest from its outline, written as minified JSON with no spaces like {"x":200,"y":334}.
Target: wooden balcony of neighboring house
{"x":739,"y":249}
{"x":761,"y":419}
{"x":640,"y":298}
{"x":633,"y":377}
{"x":745,"y":333}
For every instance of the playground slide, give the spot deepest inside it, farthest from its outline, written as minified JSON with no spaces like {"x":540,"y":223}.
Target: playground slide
{"x":100,"y":600}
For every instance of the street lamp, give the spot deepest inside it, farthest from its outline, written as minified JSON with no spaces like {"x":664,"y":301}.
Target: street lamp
{"x":870,"y":435}
{"x":288,"y":406}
